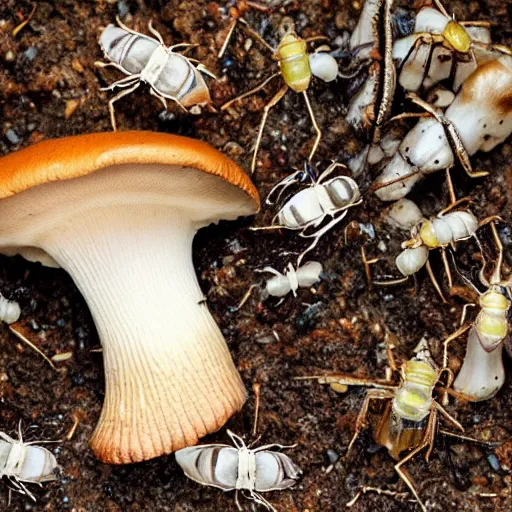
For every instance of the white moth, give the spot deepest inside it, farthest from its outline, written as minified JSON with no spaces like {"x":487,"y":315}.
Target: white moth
{"x":24,"y":463}
{"x":304,"y":277}
{"x":9,"y":310}
{"x":145,"y":59}
{"x":239,"y":468}
{"x":480,"y":117}
{"x":309,"y":207}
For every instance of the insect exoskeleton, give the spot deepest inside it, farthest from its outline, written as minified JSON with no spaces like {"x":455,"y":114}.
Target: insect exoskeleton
{"x":24,"y":463}
{"x":304,"y":277}
{"x":239,"y":468}
{"x":434,"y":234}
{"x":442,"y":48}
{"x":170,"y":75}
{"x":410,"y":418}
{"x":479,"y":119}
{"x":296,"y":68}
{"x":482,"y":373}
{"x":9,"y":310}
{"x":309,"y":207}
{"x":491,"y":324}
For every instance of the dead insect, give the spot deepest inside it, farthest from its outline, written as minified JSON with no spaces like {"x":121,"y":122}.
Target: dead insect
{"x":282,"y":284}
{"x":296,"y":69}
{"x":410,"y":418}
{"x":240,"y":468}
{"x":479,"y":119}
{"x":9,"y":310}
{"x":170,"y":75}
{"x":441,"y":48}
{"x":444,"y":230}
{"x":24,"y":463}
{"x":482,"y":373}
{"x":309,"y":207}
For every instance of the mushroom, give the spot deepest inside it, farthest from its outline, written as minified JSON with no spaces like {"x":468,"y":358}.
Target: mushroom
{"x":119,"y":211}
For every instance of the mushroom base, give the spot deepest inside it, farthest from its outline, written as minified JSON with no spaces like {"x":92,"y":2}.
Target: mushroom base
{"x":169,"y":375}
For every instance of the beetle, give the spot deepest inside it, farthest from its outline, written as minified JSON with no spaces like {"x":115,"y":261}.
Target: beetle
{"x":24,"y":463}
{"x":410,"y":418}
{"x":309,"y":207}
{"x":239,"y":467}
{"x":170,"y":75}
{"x":296,"y":71}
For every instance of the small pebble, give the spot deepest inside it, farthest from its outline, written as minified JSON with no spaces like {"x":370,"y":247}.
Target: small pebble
{"x":12,"y":136}
{"x":9,"y":56}
{"x":331,"y":456}
{"x":122,"y":8}
{"x":30,"y":53}
{"x":494,"y":462}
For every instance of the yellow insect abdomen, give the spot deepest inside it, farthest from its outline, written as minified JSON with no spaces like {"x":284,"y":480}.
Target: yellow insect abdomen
{"x":457,"y":36}
{"x":428,"y":234}
{"x":293,"y":59}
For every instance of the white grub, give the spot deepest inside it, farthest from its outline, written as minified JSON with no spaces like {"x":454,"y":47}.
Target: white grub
{"x":239,"y":468}
{"x":24,"y":463}
{"x":482,"y":374}
{"x":454,"y":226}
{"x":304,"y":277}
{"x":404,"y":214}
{"x":9,"y":310}
{"x":323,"y":66}
{"x":145,"y":59}
{"x":482,"y":115}
{"x":411,"y":260}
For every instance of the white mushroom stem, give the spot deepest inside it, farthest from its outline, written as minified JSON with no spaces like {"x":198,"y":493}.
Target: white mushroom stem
{"x":482,"y":373}
{"x":169,"y":376}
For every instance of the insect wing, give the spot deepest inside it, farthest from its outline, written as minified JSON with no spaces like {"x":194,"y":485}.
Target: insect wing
{"x":5,"y":449}
{"x":130,"y":51}
{"x":38,"y":465}
{"x":215,"y":465}
{"x":274,"y":471}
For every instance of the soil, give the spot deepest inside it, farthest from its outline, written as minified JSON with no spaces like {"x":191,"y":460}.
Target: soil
{"x":49,"y":87}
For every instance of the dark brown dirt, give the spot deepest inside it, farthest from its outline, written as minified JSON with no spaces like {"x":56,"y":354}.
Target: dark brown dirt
{"x":49,"y":87}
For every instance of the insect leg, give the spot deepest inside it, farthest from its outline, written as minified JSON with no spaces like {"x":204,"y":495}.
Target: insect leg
{"x":428,"y":440}
{"x":441,"y":8}
{"x":203,"y":69}
{"x":266,"y":110}
{"x":228,"y":38}
{"x":496,"y":274}
{"x":428,"y":266}
{"x":422,"y":38}
{"x":124,"y":82}
{"x":100,"y":64}
{"x":447,"y":268}
{"x":459,"y":332}
{"x":315,"y":125}
{"x":330,"y":170}
{"x":449,"y":417}
{"x":316,"y":236}
{"x":161,"y":98}
{"x":255,"y":35}
{"x":371,"y":394}
{"x":114,"y":99}
{"x":245,"y":298}
{"x":156,"y":33}
{"x":249,"y":93}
